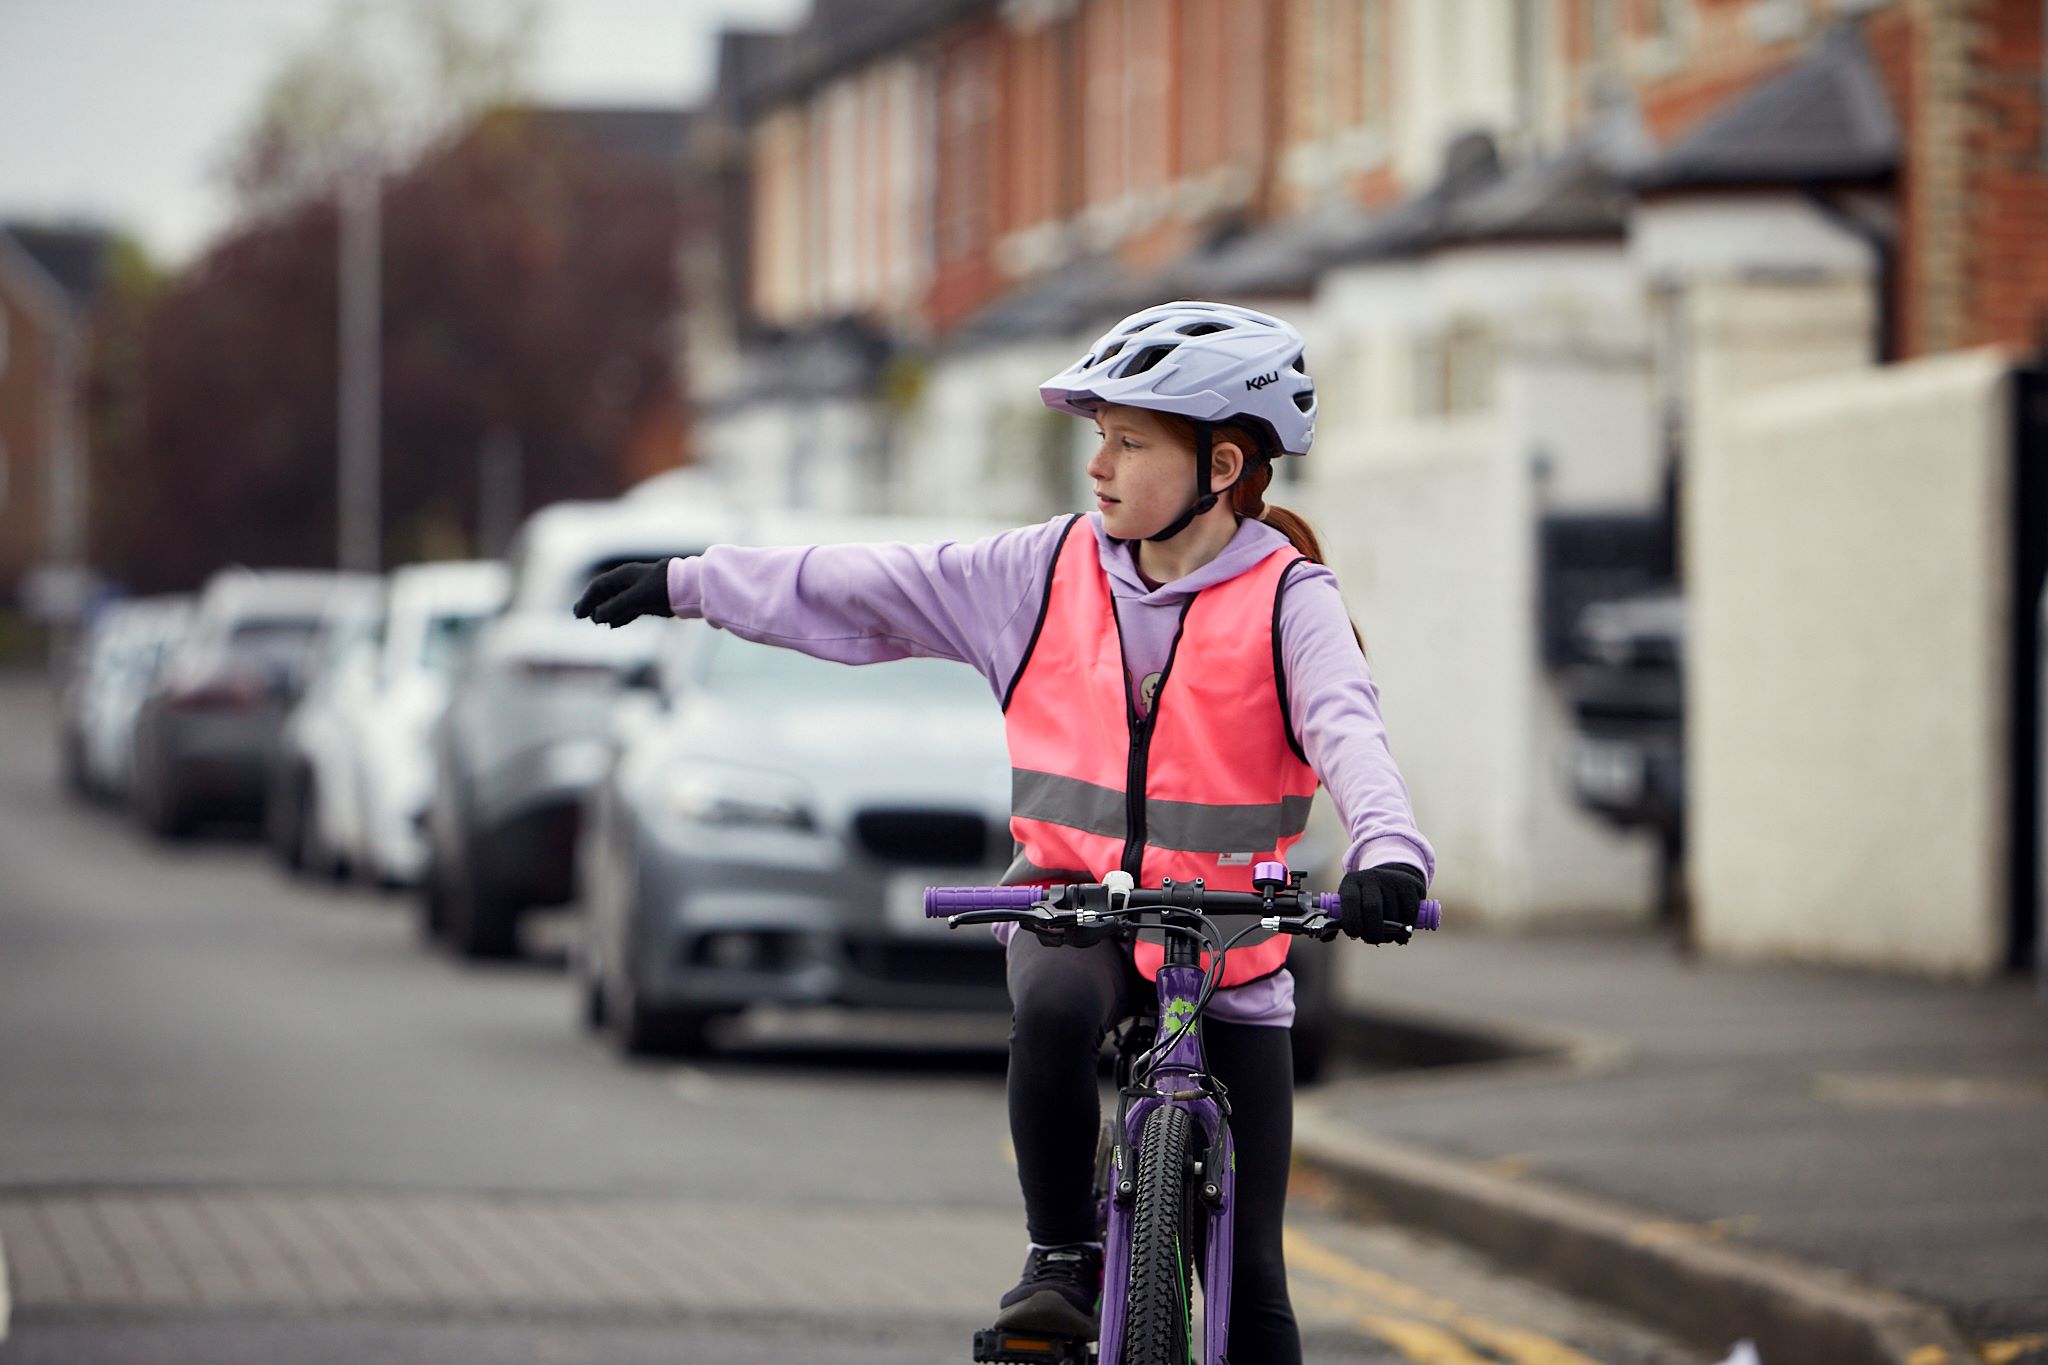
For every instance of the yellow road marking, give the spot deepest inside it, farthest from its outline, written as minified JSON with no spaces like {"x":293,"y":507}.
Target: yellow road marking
{"x":1517,"y":1344}
{"x":1418,"y":1341}
{"x":1713,"y":1230}
{"x":2011,"y":1349}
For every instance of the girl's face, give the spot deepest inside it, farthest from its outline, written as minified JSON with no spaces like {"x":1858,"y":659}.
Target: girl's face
{"x":1143,"y":476}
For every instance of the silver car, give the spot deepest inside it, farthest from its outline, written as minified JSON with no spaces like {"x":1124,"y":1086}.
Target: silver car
{"x":770,"y":839}
{"x":769,"y":827}
{"x":117,"y":660}
{"x":206,"y":731}
{"x":523,"y":734}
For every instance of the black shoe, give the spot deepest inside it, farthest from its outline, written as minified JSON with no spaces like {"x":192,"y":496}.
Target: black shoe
{"x":1058,"y":1294}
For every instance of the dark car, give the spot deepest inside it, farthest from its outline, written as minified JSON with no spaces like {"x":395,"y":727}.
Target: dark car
{"x":207,"y":729}
{"x":1627,"y":761}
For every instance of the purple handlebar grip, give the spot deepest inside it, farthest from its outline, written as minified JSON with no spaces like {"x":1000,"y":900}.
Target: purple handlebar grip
{"x":941,"y":901}
{"x":1430,"y":915}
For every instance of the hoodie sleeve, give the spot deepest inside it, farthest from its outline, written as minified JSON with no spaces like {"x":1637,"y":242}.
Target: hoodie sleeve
{"x":860,"y":604}
{"x":1335,"y":709}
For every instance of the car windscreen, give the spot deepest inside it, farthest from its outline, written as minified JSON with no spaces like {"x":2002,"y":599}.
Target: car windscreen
{"x":445,"y":637}
{"x":742,"y":667}
{"x":285,"y":638}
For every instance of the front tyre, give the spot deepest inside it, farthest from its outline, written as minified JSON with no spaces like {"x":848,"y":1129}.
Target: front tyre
{"x":1159,"y":1299}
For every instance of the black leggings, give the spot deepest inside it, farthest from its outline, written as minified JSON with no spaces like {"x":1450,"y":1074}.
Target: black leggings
{"x":1063,"y":1002}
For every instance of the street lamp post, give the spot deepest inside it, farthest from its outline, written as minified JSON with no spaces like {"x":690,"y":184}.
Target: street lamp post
{"x":359,"y":484}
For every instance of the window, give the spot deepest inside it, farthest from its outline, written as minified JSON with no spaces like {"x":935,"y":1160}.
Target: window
{"x":1454,"y":371}
{"x":1603,"y":32}
{"x":1532,"y":56}
{"x":1375,"y":60}
{"x":1667,"y":22}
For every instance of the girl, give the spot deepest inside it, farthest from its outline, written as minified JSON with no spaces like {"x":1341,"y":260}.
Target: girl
{"x":1177,"y":673}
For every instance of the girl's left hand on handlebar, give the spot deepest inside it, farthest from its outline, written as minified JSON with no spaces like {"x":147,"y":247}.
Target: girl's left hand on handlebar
{"x":1381,"y":904}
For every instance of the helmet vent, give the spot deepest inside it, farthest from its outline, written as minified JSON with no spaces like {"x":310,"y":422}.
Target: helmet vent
{"x":1301,"y":361}
{"x":1305,"y":400}
{"x":1107,"y":352}
{"x":1202,"y":329}
{"x":1143,"y":361}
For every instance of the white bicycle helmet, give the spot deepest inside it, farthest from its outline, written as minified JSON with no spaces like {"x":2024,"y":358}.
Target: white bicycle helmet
{"x":1209,"y":362}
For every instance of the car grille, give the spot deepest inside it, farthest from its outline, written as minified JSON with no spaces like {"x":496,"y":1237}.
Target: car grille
{"x":926,"y":838}
{"x":929,"y":964}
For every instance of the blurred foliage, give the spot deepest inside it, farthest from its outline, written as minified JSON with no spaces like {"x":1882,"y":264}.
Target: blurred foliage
{"x":528,"y":285}
{"x":381,"y":80}
{"x":129,"y":286}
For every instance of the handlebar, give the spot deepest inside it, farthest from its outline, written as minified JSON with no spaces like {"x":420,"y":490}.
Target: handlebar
{"x":1280,"y":902}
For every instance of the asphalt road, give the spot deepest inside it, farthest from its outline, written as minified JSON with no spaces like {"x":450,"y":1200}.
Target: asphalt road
{"x":245,"y":1119}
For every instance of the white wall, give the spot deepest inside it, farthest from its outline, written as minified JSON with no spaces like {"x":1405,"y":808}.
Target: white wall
{"x":974,"y":443}
{"x":794,"y":453}
{"x":1431,"y":525}
{"x":1434,"y":546}
{"x":1742,"y":235}
{"x":1848,"y":730}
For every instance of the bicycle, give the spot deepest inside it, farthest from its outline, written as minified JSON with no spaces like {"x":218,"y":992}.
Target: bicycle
{"x":1166,"y":1155}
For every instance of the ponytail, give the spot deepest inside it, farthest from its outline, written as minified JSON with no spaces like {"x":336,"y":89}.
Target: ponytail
{"x":1248,"y":495}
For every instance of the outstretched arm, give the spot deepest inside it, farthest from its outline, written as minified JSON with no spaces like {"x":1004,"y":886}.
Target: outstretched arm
{"x":974,"y":601}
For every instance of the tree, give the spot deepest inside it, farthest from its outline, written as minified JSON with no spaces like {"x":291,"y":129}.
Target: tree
{"x":380,"y":81}
{"x":528,"y":291}
{"x":529,"y":288}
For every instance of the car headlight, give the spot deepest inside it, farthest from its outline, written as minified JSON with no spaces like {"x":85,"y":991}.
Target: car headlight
{"x":736,"y":796}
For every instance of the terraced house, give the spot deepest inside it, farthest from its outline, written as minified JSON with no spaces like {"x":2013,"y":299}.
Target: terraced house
{"x":1545,"y":251}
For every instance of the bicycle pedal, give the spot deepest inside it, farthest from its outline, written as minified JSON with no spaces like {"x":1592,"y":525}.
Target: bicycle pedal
{"x":997,"y":1346}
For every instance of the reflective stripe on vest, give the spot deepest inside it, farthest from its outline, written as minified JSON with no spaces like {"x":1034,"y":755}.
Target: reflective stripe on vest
{"x":1221,"y":785}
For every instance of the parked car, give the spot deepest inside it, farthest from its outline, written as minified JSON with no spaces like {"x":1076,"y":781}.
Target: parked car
{"x":770,"y":821}
{"x":309,"y":816}
{"x":523,"y":735}
{"x":207,"y":727}
{"x":86,"y":672}
{"x":767,"y":837}
{"x":1627,"y":761}
{"x":115,"y":664}
{"x":434,"y":613}
{"x":355,"y":770}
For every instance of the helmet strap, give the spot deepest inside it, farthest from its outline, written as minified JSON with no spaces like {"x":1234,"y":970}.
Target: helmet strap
{"x":1204,"y":499}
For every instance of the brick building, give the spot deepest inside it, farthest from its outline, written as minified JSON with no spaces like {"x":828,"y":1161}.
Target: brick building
{"x":48,"y":279}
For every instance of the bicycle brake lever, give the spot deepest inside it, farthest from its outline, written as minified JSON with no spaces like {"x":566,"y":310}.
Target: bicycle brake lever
{"x":1037,"y":915}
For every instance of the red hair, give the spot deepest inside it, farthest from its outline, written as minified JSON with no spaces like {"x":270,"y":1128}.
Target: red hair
{"x":1248,"y":495}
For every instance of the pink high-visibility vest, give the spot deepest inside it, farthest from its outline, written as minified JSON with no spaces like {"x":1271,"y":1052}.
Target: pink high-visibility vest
{"x":1212,"y":782}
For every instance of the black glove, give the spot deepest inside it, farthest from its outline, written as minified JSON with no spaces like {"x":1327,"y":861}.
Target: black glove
{"x":627,"y":593}
{"x":1376,"y":895}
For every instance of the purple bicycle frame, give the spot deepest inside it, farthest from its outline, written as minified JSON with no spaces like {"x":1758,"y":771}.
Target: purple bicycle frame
{"x":1183,"y":1060}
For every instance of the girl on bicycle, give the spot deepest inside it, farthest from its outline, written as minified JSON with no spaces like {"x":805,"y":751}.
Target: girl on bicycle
{"x":1177,"y":673}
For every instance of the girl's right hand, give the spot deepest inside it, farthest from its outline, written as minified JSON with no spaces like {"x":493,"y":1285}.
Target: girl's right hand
{"x":627,"y":593}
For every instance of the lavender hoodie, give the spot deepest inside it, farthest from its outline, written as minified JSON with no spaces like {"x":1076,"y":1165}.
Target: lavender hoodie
{"x":978,"y":602}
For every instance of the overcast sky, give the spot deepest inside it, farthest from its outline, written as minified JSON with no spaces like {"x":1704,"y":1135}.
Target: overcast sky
{"x":122,"y":111}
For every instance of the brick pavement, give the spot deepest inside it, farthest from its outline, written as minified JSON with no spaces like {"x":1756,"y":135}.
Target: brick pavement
{"x":308,"y":1251}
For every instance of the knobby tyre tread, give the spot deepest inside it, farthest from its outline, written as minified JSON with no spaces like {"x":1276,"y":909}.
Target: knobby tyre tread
{"x":1159,"y":1299}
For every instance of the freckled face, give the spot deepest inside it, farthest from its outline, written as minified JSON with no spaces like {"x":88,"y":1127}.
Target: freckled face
{"x":1143,"y":476}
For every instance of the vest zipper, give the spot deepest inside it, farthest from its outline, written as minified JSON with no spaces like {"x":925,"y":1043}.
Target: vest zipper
{"x":1141,"y":741}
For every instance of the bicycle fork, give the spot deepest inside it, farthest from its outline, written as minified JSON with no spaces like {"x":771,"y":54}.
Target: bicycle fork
{"x":1209,"y":1183}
